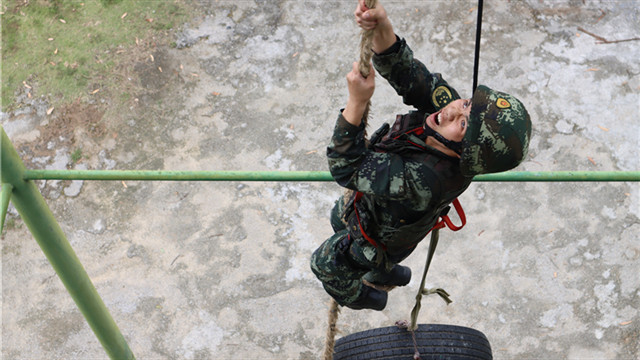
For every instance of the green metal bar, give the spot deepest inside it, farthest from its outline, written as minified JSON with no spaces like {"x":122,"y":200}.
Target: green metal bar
{"x":557,"y":176}
{"x":178,"y":175}
{"x":4,"y":202}
{"x":38,"y":217}
{"x":510,"y":176}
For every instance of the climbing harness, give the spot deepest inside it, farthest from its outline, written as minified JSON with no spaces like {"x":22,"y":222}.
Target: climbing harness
{"x":364,"y":234}
{"x":444,"y":221}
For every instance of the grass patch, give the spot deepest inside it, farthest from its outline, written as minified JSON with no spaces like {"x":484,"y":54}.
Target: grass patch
{"x":76,"y":155}
{"x":66,"y":49}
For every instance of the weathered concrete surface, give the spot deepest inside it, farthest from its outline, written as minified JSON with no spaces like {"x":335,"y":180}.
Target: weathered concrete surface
{"x":220,"y":270}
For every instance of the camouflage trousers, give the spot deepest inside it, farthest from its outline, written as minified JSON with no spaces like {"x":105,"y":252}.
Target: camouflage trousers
{"x":342,"y":262}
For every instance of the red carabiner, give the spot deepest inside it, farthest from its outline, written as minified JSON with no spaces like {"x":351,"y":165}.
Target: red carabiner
{"x":460,"y":212}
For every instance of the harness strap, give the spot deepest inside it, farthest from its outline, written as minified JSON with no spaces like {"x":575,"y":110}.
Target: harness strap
{"x":444,"y":221}
{"x":364,"y":234}
{"x":417,"y":131}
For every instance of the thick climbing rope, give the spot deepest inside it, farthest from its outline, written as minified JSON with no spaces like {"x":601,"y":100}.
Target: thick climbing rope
{"x":330,"y":340}
{"x":366,"y":53}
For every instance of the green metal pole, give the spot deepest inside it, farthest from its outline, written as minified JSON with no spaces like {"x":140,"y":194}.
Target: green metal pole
{"x":38,"y":217}
{"x":4,"y":202}
{"x":510,"y":176}
{"x":559,"y":176}
{"x":301,"y":176}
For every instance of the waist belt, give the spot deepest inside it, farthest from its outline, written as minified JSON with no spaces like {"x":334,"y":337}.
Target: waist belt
{"x":444,"y":221}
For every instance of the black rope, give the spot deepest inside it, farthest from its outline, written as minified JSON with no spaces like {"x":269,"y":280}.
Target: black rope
{"x":476,"y":60}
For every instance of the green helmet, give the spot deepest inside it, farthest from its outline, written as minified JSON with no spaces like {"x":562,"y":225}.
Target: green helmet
{"x":497,"y":137}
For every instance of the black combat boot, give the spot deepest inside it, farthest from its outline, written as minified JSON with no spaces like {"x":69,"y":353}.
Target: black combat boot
{"x":370,"y":299}
{"x":398,"y":276}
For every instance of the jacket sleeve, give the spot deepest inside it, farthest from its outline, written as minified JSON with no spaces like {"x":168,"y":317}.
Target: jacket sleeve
{"x":428,"y":92}
{"x":384,"y":175}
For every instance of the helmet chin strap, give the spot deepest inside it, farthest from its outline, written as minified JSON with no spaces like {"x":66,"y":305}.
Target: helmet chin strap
{"x":456,"y":146}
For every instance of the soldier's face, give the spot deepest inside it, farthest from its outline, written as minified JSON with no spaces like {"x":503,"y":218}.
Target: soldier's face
{"x":451,"y":122}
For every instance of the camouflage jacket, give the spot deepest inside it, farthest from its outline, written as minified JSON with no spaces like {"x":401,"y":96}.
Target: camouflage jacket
{"x":405,"y":184}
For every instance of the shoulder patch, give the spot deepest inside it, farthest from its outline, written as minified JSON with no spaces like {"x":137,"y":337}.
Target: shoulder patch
{"x":441,"y":96}
{"x":503,"y":103}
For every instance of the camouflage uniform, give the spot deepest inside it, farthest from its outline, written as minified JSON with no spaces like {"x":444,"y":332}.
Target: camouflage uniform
{"x":401,"y":185}
{"x":404,"y":187}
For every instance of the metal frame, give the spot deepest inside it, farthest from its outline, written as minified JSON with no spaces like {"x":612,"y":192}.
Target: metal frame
{"x":35,"y":213}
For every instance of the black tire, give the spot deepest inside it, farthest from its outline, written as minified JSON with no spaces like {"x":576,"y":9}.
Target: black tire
{"x":433,"y":341}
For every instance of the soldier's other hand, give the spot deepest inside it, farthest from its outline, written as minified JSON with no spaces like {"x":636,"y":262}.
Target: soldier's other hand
{"x":368,"y":19}
{"x":360,"y":88}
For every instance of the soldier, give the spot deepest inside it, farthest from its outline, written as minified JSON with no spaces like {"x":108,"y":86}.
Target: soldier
{"x":405,"y":177}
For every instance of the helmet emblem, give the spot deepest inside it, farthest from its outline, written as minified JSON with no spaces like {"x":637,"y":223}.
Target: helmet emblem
{"x":502,"y":103}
